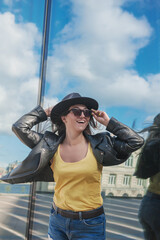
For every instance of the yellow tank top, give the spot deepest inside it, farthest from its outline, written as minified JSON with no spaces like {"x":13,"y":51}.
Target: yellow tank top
{"x":78,"y":184}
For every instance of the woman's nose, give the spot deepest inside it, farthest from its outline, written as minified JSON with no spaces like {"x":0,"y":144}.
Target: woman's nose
{"x":82,"y":114}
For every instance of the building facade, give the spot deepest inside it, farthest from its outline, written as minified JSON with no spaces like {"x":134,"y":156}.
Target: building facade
{"x":119,"y":180}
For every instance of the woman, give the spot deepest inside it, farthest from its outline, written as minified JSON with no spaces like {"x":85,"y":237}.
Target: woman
{"x":74,"y":159}
{"x":148,"y":166}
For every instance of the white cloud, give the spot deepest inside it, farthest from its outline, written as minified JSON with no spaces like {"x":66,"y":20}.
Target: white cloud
{"x":50,"y":102}
{"x":95,"y":54}
{"x":19,"y":65}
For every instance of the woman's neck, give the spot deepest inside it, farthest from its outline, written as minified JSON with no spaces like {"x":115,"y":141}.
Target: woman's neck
{"x":74,"y":139}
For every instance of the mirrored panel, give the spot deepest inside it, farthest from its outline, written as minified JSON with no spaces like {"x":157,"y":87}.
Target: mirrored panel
{"x":107,"y":50}
{"x":21,"y":29}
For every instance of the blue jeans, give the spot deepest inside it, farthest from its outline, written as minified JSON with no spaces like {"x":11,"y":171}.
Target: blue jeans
{"x":61,"y":228}
{"x":149,"y":216}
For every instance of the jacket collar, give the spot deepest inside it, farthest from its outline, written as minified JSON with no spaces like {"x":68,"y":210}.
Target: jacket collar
{"x":95,"y":140}
{"x":52,"y":139}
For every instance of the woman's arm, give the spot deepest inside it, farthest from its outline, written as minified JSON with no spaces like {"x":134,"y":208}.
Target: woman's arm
{"x":125,"y":140}
{"x":22,"y":127}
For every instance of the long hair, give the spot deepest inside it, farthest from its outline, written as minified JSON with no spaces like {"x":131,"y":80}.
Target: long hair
{"x":153,"y":130}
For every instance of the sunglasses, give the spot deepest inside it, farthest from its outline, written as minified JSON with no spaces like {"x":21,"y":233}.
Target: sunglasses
{"x":77,"y":112}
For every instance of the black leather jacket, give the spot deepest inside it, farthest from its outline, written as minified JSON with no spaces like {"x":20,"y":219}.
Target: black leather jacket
{"x":108,"y":150}
{"x":148,"y":163}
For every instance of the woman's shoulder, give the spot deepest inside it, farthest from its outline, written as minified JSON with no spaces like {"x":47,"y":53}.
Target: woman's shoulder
{"x":50,"y":135}
{"x":154,"y":143}
{"x":52,"y":138}
{"x":151,"y":149}
{"x":99,"y":134}
{"x":98,"y":137}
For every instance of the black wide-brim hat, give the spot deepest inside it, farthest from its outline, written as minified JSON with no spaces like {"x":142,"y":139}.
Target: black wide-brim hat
{"x":71,"y":99}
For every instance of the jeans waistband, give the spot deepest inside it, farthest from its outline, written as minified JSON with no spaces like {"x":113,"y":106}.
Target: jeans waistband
{"x":153,"y":195}
{"x":79,"y":215}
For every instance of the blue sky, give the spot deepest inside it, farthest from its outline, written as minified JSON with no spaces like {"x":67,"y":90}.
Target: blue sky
{"x":108,"y":50}
{"x":143,"y":62}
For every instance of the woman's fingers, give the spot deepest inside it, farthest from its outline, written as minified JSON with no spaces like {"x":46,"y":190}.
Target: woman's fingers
{"x":97,"y":113}
{"x":48,"y":111}
{"x":100,"y":116}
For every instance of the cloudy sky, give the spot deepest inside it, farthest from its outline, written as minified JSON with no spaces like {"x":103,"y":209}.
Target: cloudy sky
{"x":108,"y":50}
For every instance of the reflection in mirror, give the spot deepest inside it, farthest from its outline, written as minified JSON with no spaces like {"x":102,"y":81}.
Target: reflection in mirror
{"x":148,"y":167}
{"x":21,"y":26}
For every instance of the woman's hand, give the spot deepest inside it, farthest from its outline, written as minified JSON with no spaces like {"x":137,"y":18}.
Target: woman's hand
{"x":101,"y":117}
{"x":48,"y":111}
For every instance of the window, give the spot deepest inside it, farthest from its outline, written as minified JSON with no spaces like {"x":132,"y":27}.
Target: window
{"x":112,"y":179}
{"x":141,"y":182}
{"x":129,"y":162}
{"x":127,"y":180}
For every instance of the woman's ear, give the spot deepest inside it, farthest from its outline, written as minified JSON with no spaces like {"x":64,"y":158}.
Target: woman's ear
{"x":63,"y":118}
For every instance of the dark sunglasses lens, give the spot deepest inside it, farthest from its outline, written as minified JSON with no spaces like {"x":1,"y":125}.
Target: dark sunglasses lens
{"x":76,"y":112}
{"x":87,"y":113}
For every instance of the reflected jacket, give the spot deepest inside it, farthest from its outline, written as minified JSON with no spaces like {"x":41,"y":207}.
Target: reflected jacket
{"x":108,"y":149}
{"x":148,"y":163}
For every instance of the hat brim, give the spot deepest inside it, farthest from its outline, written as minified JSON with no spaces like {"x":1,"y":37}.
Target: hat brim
{"x":63,"y":106}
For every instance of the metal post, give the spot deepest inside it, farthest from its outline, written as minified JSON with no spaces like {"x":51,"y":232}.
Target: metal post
{"x":41,"y":91}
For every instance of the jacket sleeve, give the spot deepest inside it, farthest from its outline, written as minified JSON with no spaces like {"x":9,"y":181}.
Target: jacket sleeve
{"x":125,"y":140}
{"x":22,"y":128}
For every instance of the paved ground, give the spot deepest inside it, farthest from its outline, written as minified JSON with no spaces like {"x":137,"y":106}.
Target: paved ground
{"x":121,"y":214}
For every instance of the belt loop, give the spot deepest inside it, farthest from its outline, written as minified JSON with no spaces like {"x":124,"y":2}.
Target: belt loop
{"x":55,"y":207}
{"x":80,"y":215}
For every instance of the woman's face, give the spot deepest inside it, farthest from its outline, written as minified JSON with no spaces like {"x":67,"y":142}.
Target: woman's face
{"x":76,"y":123}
